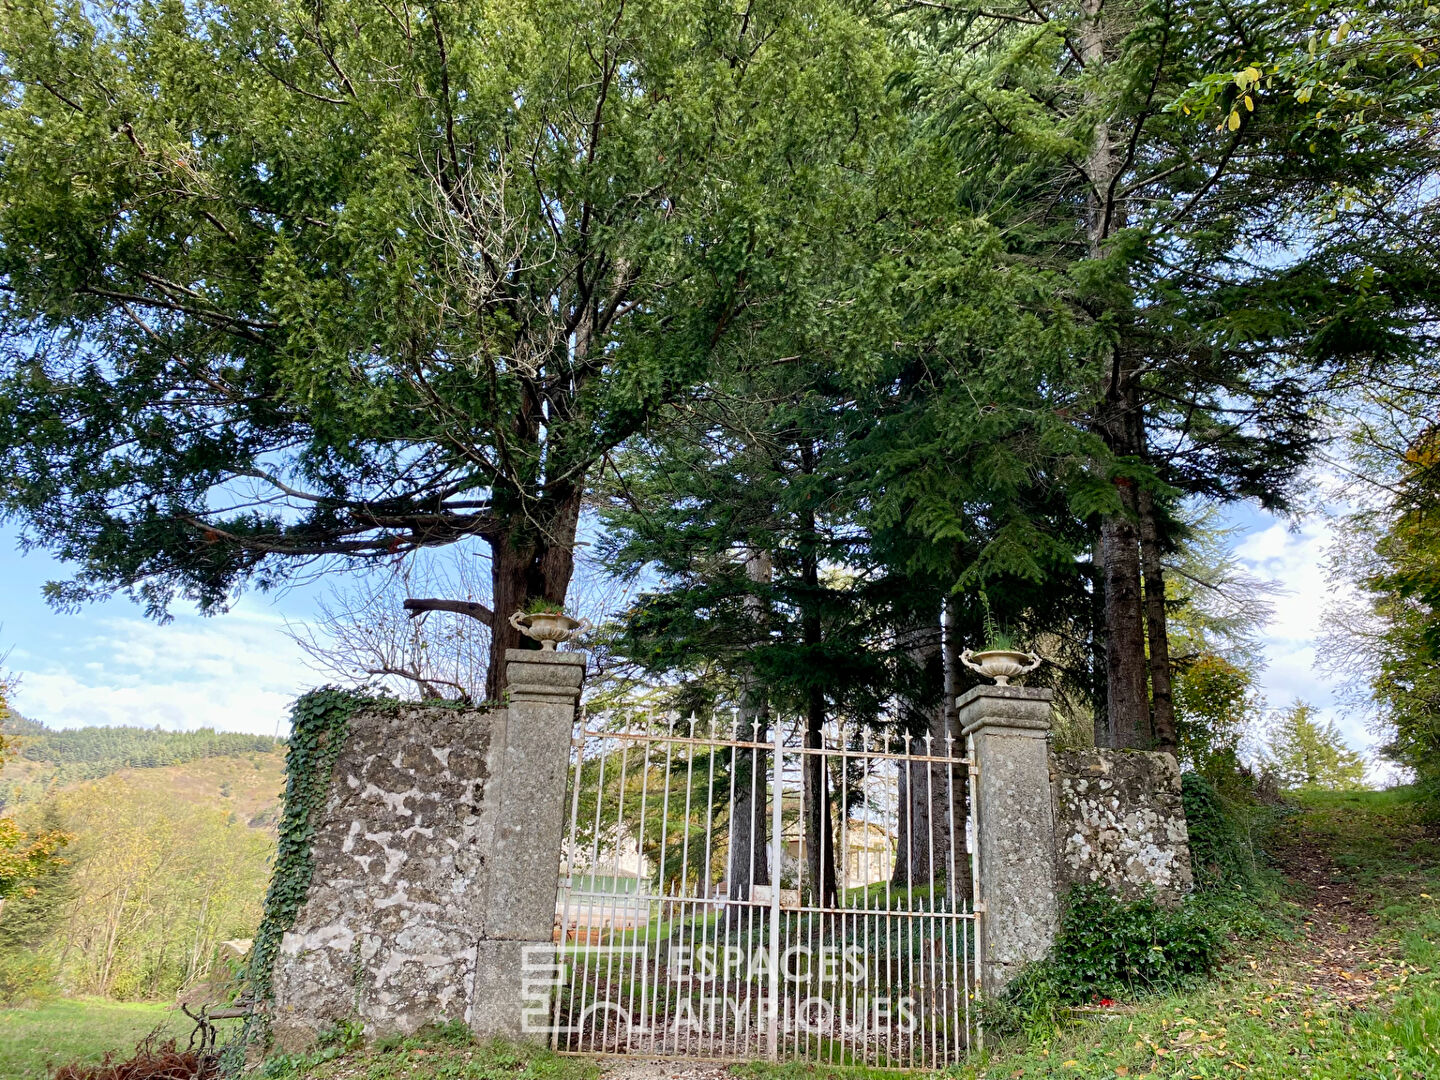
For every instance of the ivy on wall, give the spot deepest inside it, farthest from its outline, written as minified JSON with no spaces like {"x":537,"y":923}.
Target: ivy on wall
{"x":319,"y":724}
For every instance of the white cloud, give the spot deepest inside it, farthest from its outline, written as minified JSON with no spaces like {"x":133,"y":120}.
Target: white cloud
{"x":1294,"y":560}
{"x":236,"y":672}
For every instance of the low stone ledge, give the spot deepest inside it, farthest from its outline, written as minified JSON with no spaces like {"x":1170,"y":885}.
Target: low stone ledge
{"x":1120,"y":823}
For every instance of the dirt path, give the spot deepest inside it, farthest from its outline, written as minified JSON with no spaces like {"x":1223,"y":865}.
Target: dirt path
{"x":1339,"y":956}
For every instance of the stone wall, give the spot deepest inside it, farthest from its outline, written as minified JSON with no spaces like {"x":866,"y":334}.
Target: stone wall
{"x":436,"y":861}
{"x":1119,"y":821}
{"x":387,"y":934}
{"x":1046,"y":821}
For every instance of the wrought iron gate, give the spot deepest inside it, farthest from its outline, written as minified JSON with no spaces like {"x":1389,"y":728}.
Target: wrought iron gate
{"x":705,"y":910}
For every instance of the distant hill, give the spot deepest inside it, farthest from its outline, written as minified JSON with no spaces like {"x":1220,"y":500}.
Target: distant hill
{"x":47,"y":758}
{"x":171,"y":836}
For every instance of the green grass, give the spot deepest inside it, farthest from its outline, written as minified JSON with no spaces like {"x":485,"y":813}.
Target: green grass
{"x":1243,"y":1025}
{"x":443,"y":1053}
{"x":1241,"y":1028}
{"x":33,"y":1042}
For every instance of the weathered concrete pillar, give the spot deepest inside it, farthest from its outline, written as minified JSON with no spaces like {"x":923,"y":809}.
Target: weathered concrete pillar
{"x":530,"y":764}
{"x":1007,"y":729}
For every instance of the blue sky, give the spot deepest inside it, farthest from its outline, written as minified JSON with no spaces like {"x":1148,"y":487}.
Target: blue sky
{"x":108,"y":664}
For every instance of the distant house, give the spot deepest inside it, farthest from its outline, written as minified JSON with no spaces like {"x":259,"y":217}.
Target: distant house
{"x":611,"y":894}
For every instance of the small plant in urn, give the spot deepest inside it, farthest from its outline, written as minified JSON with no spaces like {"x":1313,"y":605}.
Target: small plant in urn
{"x":1000,"y":659}
{"x":547,"y":623}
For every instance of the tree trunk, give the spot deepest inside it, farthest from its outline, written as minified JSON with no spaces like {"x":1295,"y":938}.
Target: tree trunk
{"x":1126,"y":692}
{"x":922,"y":855}
{"x":749,"y":857}
{"x":1125,"y":688}
{"x":950,"y":665}
{"x":1162,"y":701}
{"x":959,"y":883}
{"x":900,"y":872}
{"x":819,"y":834}
{"x":914,"y":788}
{"x":529,"y":563}
{"x":1099,"y":635}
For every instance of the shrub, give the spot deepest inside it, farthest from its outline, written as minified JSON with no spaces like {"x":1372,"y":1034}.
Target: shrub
{"x":1109,"y":947}
{"x":27,"y":977}
{"x":1221,"y":853}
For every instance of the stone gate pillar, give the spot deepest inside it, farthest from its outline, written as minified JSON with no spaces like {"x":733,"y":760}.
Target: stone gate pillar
{"x":1007,"y":729}
{"x":530,"y":770}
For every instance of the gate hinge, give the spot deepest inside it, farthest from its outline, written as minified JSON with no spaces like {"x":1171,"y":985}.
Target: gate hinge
{"x":980,"y":908}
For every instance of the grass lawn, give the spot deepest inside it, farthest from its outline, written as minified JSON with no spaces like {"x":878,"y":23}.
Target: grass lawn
{"x":447,"y":1053}
{"x":33,"y":1042}
{"x":1353,"y":992}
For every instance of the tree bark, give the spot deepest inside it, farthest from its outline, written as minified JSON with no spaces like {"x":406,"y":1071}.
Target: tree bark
{"x":1099,"y":635}
{"x":1126,"y":692}
{"x":900,"y":872}
{"x":749,"y":858}
{"x":1125,"y":688}
{"x":960,"y":884}
{"x":1162,"y":701}
{"x":819,"y":834}
{"x":530,"y":562}
{"x":922,"y":855}
{"x":479,"y":612}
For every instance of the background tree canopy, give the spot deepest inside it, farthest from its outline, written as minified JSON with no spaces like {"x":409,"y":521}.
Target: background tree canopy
{"x":286,"y":283}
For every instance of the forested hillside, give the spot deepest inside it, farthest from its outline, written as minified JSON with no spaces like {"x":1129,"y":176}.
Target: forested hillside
{"x":46,"y":758}
{"x":170,"y":836}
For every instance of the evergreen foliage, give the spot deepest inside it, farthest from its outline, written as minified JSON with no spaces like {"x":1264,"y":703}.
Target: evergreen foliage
{"x":286,"y":283}
{"x":1222,"y":854}
{"x":1088,"y":132}
{"x":1304,"y":752}
{"x":1109,"y":947}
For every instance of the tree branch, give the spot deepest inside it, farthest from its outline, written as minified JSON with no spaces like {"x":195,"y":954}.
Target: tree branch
{"x":426,"y":682}
{"x":418,"y":607}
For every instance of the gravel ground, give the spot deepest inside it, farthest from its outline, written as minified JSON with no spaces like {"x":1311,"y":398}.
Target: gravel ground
{"x":623,"y":1068}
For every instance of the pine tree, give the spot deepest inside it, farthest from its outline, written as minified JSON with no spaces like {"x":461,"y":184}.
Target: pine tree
{"x":1304,"y":752}
{"x":1138,"y":150}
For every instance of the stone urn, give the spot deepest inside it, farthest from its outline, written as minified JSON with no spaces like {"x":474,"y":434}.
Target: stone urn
{"x":1002,"y":665}
{"x":548,"y":627}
